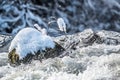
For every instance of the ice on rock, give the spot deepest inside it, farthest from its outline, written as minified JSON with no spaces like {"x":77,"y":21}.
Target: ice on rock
{"x":61,"y":24}
{"x":30,"y":40}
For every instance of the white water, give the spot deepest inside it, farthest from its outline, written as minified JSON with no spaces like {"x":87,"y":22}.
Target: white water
{"x":81,"y":67}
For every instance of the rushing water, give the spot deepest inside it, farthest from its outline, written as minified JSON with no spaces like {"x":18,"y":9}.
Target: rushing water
{"x":79,"y":67}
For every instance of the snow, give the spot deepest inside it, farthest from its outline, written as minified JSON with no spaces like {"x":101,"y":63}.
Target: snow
{"x":30,"y":40}
{"x":61,"y":24}
{"x":37,"y":27}
{"x":43,"y":31}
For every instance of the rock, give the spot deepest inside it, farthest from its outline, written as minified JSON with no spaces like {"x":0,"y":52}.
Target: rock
{"x":98,"y":50}
{"x":88,"y":43}
{"x":5,"y":42}
{"x":109,"y":37}
{"x":89,"y":37}
{"x":55,"y":52}
{"x":48,"y":53}
{"x":25,"y":47}
{"x":78,"y":40}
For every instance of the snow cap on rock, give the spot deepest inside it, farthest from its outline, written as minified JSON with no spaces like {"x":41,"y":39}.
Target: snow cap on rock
{"x":30,"y":40}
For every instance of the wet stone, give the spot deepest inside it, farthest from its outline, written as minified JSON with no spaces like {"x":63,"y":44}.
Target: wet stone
{"x":5,"y":42}
{"x":48,"y":53}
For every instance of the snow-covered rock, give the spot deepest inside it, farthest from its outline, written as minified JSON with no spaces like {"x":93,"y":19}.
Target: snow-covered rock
{"x":30,"y":41}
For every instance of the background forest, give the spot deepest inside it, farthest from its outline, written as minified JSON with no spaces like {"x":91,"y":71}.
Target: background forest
{"x":78,"y":14}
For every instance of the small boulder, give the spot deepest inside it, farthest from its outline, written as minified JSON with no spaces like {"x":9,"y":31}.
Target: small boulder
{"x":30,"y":44}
